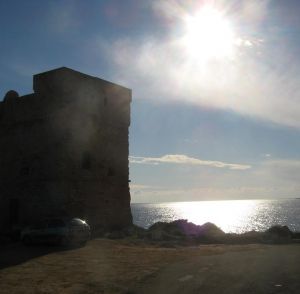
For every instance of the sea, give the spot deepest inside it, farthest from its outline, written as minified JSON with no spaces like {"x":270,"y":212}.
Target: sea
{"x":232,"y":216}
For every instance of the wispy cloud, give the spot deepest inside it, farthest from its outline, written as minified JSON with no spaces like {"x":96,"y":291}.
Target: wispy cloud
{"x":140,"y":187}
{"x":184,"y":159}
{"x":270,"y":179}
{"x":261,"y":81}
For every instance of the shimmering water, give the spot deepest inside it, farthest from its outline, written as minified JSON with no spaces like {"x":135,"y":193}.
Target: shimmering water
{"x":231,"y":216}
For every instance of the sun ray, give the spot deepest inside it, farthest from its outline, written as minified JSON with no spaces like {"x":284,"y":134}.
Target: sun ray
{"x":208,"y":35}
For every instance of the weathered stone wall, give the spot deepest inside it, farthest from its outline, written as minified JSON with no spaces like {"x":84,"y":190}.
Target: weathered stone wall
{"x":64,"y":151}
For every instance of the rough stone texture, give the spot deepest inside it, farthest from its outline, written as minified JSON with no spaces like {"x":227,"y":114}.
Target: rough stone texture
{"x":64,"y":151}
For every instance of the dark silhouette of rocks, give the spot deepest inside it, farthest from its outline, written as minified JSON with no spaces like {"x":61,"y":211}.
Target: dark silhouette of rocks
{"x":280,"y":231}
{"x":184,"y":233}
{"x":64,"y":152}
{"x":182,"y":229}
{"x":279,"y":234}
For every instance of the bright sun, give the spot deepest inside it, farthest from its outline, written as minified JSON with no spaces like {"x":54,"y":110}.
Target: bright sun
{"x":208,"y":35}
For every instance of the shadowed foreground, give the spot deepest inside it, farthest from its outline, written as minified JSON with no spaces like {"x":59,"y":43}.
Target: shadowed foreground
{"x":262,"y":269}
{"x":107,"y":266}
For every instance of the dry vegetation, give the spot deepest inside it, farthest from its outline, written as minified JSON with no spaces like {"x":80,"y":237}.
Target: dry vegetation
{"x":103,"y":266}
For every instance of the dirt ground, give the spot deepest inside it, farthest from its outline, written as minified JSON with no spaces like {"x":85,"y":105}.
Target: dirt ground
{"x":107,"y":266}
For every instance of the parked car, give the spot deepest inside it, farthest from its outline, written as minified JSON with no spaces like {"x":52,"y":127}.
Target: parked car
{"x":61,"y":231}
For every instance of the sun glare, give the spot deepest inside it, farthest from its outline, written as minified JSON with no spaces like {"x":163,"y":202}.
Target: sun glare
{"x":208,"y":35}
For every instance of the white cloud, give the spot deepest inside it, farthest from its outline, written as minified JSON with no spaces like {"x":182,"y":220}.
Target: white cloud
{"x":271,"y":179}
{"x":262,"y":80}
{"x":183,"y":159}
{"x":139,"y":187}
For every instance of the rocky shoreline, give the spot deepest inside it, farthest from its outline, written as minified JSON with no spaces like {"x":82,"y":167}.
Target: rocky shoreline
{"x":184,"y":233}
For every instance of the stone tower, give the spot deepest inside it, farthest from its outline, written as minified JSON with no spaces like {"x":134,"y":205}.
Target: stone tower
{"x":64,"y":151}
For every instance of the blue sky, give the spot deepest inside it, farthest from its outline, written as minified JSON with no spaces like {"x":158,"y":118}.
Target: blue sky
{"x":207,"y":123}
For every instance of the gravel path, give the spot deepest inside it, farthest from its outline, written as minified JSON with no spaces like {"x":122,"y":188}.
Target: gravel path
{"x":267,"y":269}
{"x":130,"y":266}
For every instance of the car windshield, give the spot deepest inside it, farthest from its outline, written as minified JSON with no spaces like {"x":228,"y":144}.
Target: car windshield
{"x":56,"y":223}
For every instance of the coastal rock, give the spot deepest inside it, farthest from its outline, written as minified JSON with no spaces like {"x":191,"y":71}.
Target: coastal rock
{"x":172,"y":228}
{"x":183,"y":233}
{"x":296,"y":235}
{"x":278,"y":234}
{"x":210,"y":230}
{"x":182,"y":229}
{"x":281,"y":231}
{"x":135,"y":231}
{"x":244,"y":238}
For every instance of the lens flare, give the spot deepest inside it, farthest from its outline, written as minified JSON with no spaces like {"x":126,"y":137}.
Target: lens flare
{"x":208,"y":35}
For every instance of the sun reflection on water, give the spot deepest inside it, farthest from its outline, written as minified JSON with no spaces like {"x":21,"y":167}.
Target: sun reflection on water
{"x":230,"y":215}
{"x":224,"y":214}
